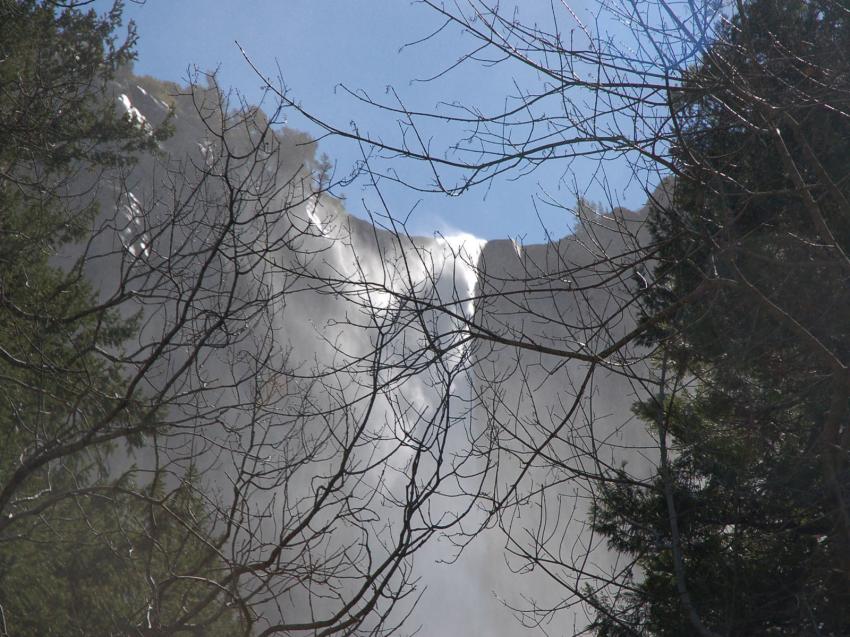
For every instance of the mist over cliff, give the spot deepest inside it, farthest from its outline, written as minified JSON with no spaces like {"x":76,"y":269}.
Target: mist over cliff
{"x":408,"y":340}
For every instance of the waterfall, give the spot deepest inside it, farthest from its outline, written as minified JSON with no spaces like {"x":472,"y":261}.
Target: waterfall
{"x":377,"y":328}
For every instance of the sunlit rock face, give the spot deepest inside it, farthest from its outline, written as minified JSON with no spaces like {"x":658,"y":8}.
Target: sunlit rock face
{"x":448,"y":355}
{"x":561,"y":416}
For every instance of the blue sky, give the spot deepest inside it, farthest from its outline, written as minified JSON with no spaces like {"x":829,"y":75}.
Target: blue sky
{"x":320,"y":44}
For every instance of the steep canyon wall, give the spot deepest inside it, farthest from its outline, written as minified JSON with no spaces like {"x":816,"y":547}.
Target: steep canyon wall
{"x":456,"y":377}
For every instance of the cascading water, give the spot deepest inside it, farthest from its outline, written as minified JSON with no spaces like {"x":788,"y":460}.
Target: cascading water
{"x":376,"y":333}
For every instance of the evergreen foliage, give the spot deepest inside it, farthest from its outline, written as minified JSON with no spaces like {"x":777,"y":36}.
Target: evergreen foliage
{"x":82,"y":552}
{"x":751,"y":494}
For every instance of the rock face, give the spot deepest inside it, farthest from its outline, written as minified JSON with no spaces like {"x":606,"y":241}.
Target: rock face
{"x":485,"y":348}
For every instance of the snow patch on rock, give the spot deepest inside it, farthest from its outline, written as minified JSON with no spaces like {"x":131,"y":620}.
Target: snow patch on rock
{"x":133,"y":235}
{"x":133,"y":113}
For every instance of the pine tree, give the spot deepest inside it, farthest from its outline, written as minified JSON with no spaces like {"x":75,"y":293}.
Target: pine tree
{"x":744,"y":529}
{"x":82,"y":551}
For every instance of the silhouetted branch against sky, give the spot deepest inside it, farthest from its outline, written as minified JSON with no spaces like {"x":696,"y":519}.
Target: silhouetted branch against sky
{"x":356,"y":391}
{"x":453,"y":82}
